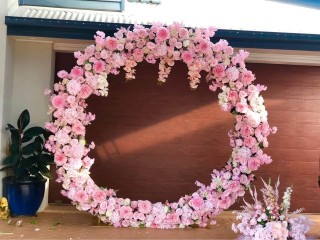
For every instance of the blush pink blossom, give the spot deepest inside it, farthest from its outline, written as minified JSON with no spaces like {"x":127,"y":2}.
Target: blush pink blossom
{"x":99,"y":66}
{"x":78,"y":128}
{"x":196,"y":203}
{"x":63,"y":74}
{"x":126,"y":212}
{"x":144,"y":206}
{"x":253,"y":163}
{"x":85,"y":91}
{"x":99,"y":196}
{"x":60,"y":158}
{"x":81,"y":196}
{"x":163,"y":34}
{"x":73,"y":87}
{"x":57,"y":101}
{"x":111,"y":43}
{"x":247,"y":77}
{"x":76,"y":72}
{"x":187,"y":57}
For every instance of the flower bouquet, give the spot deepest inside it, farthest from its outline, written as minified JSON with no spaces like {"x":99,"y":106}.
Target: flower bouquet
{"x":270,"y":220}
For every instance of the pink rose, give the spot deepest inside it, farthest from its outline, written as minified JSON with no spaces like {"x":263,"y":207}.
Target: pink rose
{"x":111,"y":43}
{"x":78,"y":128}
{"x":99,"y":66}
{"x":163,"y":34}
{"x":85,"y":91}
{"x":187,"y":57}
{"x":196,"y":203}
{"x":253,"y":163}
{"x":60,"y":158}
{"x":144,"y":206}
{"x":126,"y":212}
{"x":99,"y":196}
{"x":57,"y":101}
{"x":76,"y":72}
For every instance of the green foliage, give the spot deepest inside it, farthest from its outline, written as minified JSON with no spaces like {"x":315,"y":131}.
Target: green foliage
{"x":28,"y":157}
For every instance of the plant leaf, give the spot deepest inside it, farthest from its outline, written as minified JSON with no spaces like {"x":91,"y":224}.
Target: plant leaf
{"x":26,"y":139}
{"x":15,"y":142}
{"x":5,"y":167}
{"x":48,"y":159}
{"x":23,"y":120}
{"x":33,"y":132}
{"x":29,"y":149}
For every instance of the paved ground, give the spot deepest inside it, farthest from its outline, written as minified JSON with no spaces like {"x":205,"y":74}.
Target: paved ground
{"x":67,"y":223}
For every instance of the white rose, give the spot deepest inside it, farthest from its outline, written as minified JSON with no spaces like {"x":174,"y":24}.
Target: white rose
{"x":253,"y":118}
{"x":186,"y":43}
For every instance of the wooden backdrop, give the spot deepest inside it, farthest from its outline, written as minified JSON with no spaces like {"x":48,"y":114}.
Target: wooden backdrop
{"x":153,"y":142}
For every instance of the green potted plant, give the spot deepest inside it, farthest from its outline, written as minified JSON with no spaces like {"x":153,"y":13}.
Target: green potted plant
{"x":27,"y":159}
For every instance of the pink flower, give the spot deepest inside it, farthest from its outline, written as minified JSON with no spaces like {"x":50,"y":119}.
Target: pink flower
{"x":73,"y":87}
{"x":253,"y":163}
{"x":196,"y":203}
{"x":144,"y":206}
{"x":85,"y":91}
{"x":224,"y":203}
{"x":60,"y":158}
{"x":111,"y":43}
{"x":99,"y":66}
{"x":78,"y":128}
{"x":204,"y":46}
{"x":138,"y":55}
{"x":57,"y":101}
{"x":99,"y":196}
{"x":233,"y":96}
{"x":172,"y":218}
{"x":76,"y":72}
{"x":184,"y":33}
{"x":126,"y":212}
{"x":241,"y":107}
{"x":63,"y":74}
{"x":163,"y":34}
{"x":187,"y":57}
{"x":247,"y":77}
{"x":81,"y":196}
{"x":151,"y":45}
{"x":219,"y":71}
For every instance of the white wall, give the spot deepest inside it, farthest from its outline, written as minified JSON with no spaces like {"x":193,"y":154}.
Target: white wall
{"x":3,"y":70}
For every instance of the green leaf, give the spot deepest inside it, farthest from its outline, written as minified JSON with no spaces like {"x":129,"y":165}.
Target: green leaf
{"x":29,"y":149}
{"x":16,"y":159}
{"x":23,"y":120}
{"x":6,"y":167}
{"x":15,"y":142}
{"x":8,"y":160}
{"x":11,"y":128}
{"x":27,"y":162}
{"x":48,"y":159}
{"x":26,"y":139}
{"x":33,"y":132}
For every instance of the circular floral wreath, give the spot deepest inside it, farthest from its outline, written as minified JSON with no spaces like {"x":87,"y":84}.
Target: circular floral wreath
{"x":167,"y":44}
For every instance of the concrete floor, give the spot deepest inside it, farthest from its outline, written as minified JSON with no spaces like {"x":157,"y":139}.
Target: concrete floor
{"x":59,"y":222}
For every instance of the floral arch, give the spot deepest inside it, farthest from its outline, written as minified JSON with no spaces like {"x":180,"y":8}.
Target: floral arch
{"x":167,"y":44}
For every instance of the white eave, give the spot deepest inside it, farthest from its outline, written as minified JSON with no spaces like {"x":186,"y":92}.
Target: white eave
{"x":252,"y":15}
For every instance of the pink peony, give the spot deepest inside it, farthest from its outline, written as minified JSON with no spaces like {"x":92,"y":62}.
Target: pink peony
{"x":99,"y":196}
{"x":196,"y":203}
{"x":76,"y":72}
{"x":187,"y":57}
{"x":111,"y":43}
{"x":247,"y":77}
{"x":144,"y":206}
{"x":99,"y":66}
{"x":60,"y":158}
{"x":163,"y":34}
{"x":78,"y":128}
{"x":57,"y":101}
{"x":81,"y":196}
{"x":253,"y":163}
{"x":126,"y":212}
{"x":85,"y":91}
{"x":63,"y":74}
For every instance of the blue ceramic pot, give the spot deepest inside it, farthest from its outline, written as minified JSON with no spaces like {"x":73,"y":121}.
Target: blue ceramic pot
{"x":24,"y":197}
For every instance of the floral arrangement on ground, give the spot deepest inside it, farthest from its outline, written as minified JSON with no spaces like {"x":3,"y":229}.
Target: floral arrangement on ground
{"x":225,"y":69}
{"x":271,"y":220}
